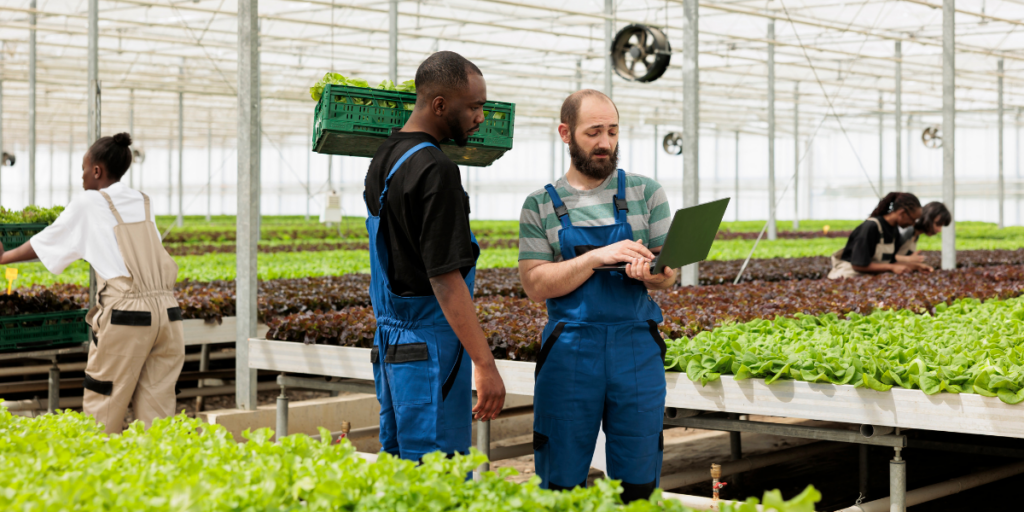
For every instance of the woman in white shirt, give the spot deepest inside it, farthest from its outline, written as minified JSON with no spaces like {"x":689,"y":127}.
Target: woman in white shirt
{"x":138,"y":345}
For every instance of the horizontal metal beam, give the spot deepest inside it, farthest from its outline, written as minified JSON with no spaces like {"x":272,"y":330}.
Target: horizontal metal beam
{"x":779,"y":429}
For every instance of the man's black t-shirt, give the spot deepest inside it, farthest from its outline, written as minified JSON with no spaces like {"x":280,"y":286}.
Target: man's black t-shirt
{"x":426,"y":219}
{"x":860,"y":247}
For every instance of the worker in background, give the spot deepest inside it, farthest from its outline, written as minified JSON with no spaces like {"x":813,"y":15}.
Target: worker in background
{"x":934,"y":217}
{"x":601,"y":357}
{"x":872,"y":247}
{"x":138,"y":345}
{"x":423,"y":258}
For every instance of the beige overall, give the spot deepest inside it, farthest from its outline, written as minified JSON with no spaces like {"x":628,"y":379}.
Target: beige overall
{"x":842,"y":269}
{"x":139,"y":344}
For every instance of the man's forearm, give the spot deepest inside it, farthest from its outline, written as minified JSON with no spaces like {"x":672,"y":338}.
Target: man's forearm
{"x":875,"y":268}
{"x":23,"y":252}
{"x":457,"y":305}
{"x":551,"y":280}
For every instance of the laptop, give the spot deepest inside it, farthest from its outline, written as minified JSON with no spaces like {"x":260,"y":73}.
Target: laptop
{"x":689,"y":237}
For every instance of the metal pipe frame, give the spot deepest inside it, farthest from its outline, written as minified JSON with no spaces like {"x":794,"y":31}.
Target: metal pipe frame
{"x":209,"y":170}
{"x":393,"y":41}
{"x":32,"y":103}
{"x":247,"y":223}
{"x":690,"y":274}
{"x":898,"y":115}
{"x":736,"y":185}
{"x":796,"y":156}
{"x":1002,"y":183}
{"x":805,"y":432}
{"x":609,"y":28}
{"x":735,"y":467}
{"x":772,"y":227}
{"x":180,"y":221}
{"x":949,"y":130}
{"x":881,"y":146}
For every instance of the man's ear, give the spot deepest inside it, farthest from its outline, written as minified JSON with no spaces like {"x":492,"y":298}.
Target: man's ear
{"x":563,"y":132}
{"x":438,"y":106}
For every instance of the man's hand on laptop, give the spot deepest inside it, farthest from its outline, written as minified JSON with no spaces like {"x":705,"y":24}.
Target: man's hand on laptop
{"x":640,"y":269}
{"x":619,"y":252}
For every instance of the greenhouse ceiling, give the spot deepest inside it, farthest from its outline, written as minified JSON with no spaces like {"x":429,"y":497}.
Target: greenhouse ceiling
{"x":840,"y":57}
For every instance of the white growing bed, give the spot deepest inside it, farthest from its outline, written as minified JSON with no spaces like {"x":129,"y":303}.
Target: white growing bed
{"x":904,"y":408}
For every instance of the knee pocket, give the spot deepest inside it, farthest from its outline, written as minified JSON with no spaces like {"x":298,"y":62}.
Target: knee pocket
{"x":649,"y":357}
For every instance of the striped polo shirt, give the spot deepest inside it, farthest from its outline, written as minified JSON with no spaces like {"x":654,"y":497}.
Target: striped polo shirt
{"x":649,"y":214}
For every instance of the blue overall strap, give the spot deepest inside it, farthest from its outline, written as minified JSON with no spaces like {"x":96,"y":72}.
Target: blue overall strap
{"x":560,"y":209}
{"x":621,"y":206}
{"x":387,"y":181}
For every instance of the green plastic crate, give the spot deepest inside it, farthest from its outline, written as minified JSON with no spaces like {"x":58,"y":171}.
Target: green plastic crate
{"x":13,"y":235}
{"x":43,"y":330}
{"x":354,"y":121}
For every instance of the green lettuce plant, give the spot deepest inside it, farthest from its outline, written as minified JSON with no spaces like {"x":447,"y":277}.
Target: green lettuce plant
{"x":966,"y":347}
{"x":64,"y":462}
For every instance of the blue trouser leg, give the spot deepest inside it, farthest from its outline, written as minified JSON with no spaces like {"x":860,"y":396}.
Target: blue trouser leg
{"x":388,"y":424}
{"x":425,"y":420}
{"x":634,"y":409}
{"x":568,"y":404}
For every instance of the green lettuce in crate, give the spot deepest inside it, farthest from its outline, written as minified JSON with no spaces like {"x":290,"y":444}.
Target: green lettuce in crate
{"x":338,"y":79}
{"x":30,"y":215}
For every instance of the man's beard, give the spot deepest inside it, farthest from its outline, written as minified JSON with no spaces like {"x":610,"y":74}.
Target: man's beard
{"x":588,"y":165}
{"x":459,"y":134}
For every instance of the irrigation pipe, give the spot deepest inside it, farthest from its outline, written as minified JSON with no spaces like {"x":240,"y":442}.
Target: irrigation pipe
{"x":697,"y":475}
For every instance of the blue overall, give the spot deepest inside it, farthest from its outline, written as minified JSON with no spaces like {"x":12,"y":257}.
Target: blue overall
{"x":602,"y":360}
{"x":420,"y":370}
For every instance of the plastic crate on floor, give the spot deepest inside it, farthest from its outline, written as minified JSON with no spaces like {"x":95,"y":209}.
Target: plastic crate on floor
{"x":13,"y":235}
{"x":43,"y":330}
{"x":354,"y":121}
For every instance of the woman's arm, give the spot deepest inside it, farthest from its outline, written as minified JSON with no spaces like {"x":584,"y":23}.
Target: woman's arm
{"x":23,"y":252}
{"x":881,"y":268}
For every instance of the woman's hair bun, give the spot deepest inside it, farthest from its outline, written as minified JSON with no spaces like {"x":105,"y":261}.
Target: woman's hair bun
{"x":123,"y":139}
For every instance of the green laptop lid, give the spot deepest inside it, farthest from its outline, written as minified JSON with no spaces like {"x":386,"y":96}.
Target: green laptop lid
{"x":691,"y":234}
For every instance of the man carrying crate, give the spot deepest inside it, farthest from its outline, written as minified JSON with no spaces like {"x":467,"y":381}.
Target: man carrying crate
{"x":602,"y":357}
{"x":423,"y":258}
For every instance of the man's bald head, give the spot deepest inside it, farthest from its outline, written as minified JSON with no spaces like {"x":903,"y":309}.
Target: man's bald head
{"x":571,"y":106}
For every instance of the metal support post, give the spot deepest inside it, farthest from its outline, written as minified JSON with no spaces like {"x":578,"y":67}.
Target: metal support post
{"x":282,"y":415}
{"x":898,"y":481}
{"x":32,"y":104}
{"x":204,"y":365}
{"x":910,"y":150}
{"x":863,"y":471}
{"x":209,"y":170}
{"x":181,"y":159}
{"x":949,"y":131}
{"x":736,"y":185}
{"x":93,"y":77}
{"x":131,"y":131}
{"x":810,"y":178}
{"x":1002,"y":181}
{"x":554,"y":151}
{"x":71,"y":160}
{"x":657,"y":144}
{"x":898,"y":115}
{"x":609,"y":27}
{"x":881,"y":146}
{"x":579,"y":76}
{"x":53,"y":395}
{"x":51,"y":172}
{"x":309,"y":163}
{"x":772,"y":228}
{"x":483,"y":443}
{"x":170,"y":174}
{"x":1016,"y":142}
{"x":94,"y":115}
{"x":796,"y":156}
{"x":247,"y":226}
{"x":393,"y":41}
{"x":691,"y":122}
